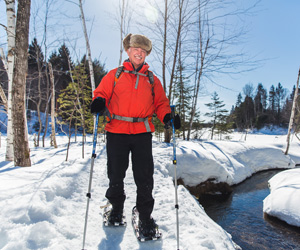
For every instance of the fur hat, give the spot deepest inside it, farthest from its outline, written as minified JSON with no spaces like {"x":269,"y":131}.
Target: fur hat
{"x":137,"y":41}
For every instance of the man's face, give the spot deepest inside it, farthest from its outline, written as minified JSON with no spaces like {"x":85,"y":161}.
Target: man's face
{"x":136,"y":56}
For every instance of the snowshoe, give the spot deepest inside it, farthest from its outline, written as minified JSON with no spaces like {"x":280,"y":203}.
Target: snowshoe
{"x":113,"y":218}
{"x":144,"y":230}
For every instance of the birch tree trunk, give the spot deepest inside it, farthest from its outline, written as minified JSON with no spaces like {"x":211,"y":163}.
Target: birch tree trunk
{"x":202,"y":47}
{"x":122,"y":30}
{"x":292,"y":115}
{"x":180,"y":6}
{"x":11,"y":27}
{"x":38,"y":105}
{"x":46,"y":72}
{"x":2,"y":93}
{"x":91,"y":68}
{"x":165,"y":47}
{"x":21,"y":146}
{"x":53,"y":138}
{"x":47,"y":103}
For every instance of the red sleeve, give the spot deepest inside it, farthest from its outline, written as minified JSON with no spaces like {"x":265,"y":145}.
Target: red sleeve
{"x":161,"y":102}
{"x":105,"y":88}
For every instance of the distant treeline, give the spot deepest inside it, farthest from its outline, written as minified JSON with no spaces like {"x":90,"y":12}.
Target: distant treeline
{"x":261,"y":107}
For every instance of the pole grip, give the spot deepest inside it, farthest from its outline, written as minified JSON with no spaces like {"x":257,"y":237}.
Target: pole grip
{"x":172,"y":111}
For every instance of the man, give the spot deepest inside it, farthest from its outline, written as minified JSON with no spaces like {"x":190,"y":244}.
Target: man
{"x":131,"y":99}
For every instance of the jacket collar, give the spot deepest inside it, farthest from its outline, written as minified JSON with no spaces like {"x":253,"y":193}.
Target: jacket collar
{"x":128,"y":66}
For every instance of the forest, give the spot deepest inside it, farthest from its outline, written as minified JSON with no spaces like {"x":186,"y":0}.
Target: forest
{"x":190,"y":47}
{"x":255,"y":108}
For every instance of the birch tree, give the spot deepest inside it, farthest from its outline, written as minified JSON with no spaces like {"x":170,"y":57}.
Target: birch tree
{"x":211,"y":49}
{"x":2,"y":93}
{"x":48,"y":4}
{"x":11,"y":26}
{"x":167,"y":32}
{"x":87,"y":47}
{"x":123,"y":19}
{"x":21,"y":146}
{"x":292,"y":115}
{"x":53,"y":138}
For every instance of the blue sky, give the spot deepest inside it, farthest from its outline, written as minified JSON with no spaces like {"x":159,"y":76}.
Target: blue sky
{"x":274,"y":37}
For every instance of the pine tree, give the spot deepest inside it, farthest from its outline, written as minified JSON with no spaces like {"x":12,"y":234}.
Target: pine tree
{"x":280,"y":94}
{"x":35,"y":55}
{"x":182,"y":96}
{"x":159,"y":128}
{"x":99,"y":71}
{"x":271,"y":108}
{"x":239,"y":100}
{"x":62,"y":65}
{"x":260,"y":106}
{"x":74,"y":104}
{"x":217,"y":113}
{"x":243,"y":115}
{"x":36,"y":79}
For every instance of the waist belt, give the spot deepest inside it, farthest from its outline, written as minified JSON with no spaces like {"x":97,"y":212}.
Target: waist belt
{"x":133,"y":119}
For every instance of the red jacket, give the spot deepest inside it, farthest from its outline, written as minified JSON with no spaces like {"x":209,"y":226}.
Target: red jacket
{"x":130,"y":98}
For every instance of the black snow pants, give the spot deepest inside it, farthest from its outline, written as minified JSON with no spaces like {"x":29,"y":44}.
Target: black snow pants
{"x":119,"y":147}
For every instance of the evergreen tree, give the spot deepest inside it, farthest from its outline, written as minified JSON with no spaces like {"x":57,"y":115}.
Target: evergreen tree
{"x":35,"y":82}
{"x":239,"y":100}
{"x":280,"y":94}
{"x":217,"y":113}
{"x":74,"y":104}
{"x":159,"y":128}
{"x":259,"y":99}
{"x":243,"y":116}
{"x":260,"y":106}
{"x":99,"y":71}
{"x":272,"y":110}
{"x":62,"y":65}
{"x":35,"y":55}
{"x":248,"y":110}
{"x":182,"y":97}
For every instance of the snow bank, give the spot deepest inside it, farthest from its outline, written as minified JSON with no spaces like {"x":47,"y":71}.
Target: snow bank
{"x":284,"y":200}
{"x":225,"y":161}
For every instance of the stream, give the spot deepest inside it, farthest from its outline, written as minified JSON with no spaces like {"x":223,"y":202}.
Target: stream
{"x":241,"y":215}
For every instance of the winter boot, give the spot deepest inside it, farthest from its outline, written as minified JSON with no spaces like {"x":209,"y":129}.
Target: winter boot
{"x":115,"y":216}
{"x":148,"y":227}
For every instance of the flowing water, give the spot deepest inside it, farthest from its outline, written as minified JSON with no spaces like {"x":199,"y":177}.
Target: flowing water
{"x":241,"y":215}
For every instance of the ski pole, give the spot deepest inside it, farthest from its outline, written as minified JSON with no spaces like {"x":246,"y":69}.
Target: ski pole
{"x":175,"y":173}
{"x":88,"y":195}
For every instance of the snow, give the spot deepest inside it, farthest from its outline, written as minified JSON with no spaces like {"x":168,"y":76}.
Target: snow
{"x":284,"y":199}
{"x":44,"y":206}
{"x":226,"y":161}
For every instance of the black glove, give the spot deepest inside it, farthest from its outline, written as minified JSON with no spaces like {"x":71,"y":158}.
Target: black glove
{"x":98,"y":105}
{"x":168,"y":118}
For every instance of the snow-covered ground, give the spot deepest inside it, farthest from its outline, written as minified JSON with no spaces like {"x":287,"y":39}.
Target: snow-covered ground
{"x":43,"y":207}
